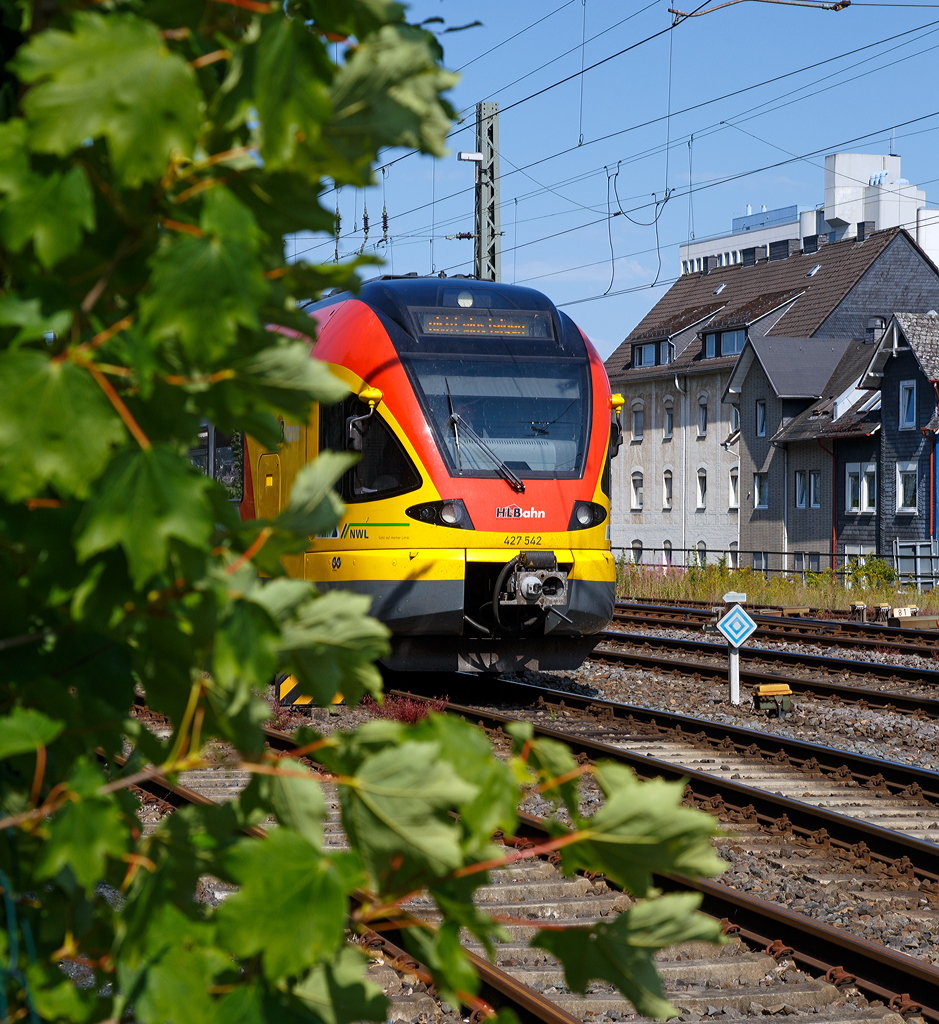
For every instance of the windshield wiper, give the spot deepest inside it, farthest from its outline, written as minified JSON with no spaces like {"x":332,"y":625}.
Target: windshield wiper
{"x":510,"y":478}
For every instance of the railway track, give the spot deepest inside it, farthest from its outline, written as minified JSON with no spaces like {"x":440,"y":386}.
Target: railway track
{"x":844,"y":815}
{"x":819,"y":632}
{"x":757,"y":973}
{"x":653,"y":652}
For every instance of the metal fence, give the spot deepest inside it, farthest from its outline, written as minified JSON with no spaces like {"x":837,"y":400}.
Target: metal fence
{"x":915,"y":563}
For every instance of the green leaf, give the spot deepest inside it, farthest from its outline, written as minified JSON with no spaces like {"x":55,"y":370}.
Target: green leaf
{"x":52,"y":211}
{"x":204,"y":289}
{"x":291,"y":88}
{"x":145,"y":498}
{"x":56,"y":426}
{"x":287,"y":377}
{"x":24,"y":729}
{"x":299,"y":804}
{"x":85,"y":832}
{"x":177,"y":986}
{"x":314,"y":506}
{"x":246,"y":646}
{"x":111,"y":77}
{"x":339,"y":993}
{"x":331,"y":644}
{"x":396,"y":813}
{"x":642,"y":828}
{"x":622,"y":952}
{"x":290,"y":908}
{"x":28,"y":316}
{"x":388,"y":94}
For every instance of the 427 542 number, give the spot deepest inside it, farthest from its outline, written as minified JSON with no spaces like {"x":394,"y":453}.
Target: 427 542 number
{"x":531,"y":540}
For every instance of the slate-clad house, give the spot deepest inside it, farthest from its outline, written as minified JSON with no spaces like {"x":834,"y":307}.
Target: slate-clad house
{"x":809,"y":444}
{"x":679,"y":482}
{"x":905,"y":367}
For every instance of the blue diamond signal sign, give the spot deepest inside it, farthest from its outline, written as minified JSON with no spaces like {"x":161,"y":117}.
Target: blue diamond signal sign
{"x":737,"y":626}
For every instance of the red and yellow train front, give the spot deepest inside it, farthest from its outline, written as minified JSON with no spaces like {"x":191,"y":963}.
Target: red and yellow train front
{"x":477,"y":515}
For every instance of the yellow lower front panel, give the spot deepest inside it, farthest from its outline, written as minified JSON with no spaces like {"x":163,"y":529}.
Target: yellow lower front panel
{"x":336,"y":567}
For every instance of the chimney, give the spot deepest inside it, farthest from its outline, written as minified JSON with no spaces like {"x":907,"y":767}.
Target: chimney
{"x":710,"y":263}
{"x":783,"y":249}
{"x":754,"y":253}
{"x":864,"y":228}
{"x":812,"y":243}
{"x":876,"y":326}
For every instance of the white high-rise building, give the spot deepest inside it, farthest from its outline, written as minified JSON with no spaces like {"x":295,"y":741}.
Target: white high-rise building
{"x":864,"y":192}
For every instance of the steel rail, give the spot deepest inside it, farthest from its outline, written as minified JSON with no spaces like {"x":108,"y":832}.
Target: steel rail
{"x":880,"y":972}
{"x":843,"y":630}
{"x":879,"y":669}
{"x":784,"y":633}
{"x":497,"y":987}
{"x":804,"y":820}
{"x":886,"y":699}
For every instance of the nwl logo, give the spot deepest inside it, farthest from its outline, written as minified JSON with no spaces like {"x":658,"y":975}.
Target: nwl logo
{"x":514,"y":512}
{"x":354,"y":533}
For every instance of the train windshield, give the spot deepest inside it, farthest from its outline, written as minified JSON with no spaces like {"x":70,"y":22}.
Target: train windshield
{"x":527,"y":414}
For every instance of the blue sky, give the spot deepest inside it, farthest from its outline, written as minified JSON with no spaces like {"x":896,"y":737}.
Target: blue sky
{"x":559,"y":194}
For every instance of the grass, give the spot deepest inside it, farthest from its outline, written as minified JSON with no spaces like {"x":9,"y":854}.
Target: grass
{"x":874,"y":583}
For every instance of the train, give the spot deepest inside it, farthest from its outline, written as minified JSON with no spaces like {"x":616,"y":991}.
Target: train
{"x":477,"y":515}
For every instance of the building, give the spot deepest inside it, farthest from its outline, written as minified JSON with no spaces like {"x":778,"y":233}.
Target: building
{"x":808,"y":451}
{"x":863,"y":193}
{"x":905,"y":367}
{"x":680,"y":486}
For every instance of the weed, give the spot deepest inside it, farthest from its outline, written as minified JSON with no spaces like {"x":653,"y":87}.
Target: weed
{"x":406,"y":709}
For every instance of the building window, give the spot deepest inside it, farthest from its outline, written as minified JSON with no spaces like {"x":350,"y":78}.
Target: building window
{"x":669,"y":423}
{"x":702,"y":552}
{"x":666,"y":552}
{"x":860,"y":487}
{"x":734,"y":555}
{"x":726,"y":259}
{"x":637,"y":492}
{"x":798,"y":561}
{"x":852,"y":488}
{"x":906,"y":487}
{"x":710,"y":346}
{"x":638,"y":424}
{"x":637,"y":551}
{"x":732,"y":342}
{"x":869,"y":489}
{"x":907,"y":404}
{"x":644,"y":355}
{"x":734,"y":418}
{"x":800,"y":488}
{"x":684,"y":266}
{"x":814,"y":561}
{"x":761,"y":490}
{"x":815,"y":490}
{"x":667,"y":489}
{"x":702,"y":488}
{"x":666,"y":352}
{"x":761,"y":418}
{"x":699,"y":264}
{"x":759,"y":561}
{"x":702,"y":417}
{"x":734,"y":488}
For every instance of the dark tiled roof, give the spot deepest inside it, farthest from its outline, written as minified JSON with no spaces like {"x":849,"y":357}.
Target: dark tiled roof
{"x":922,"y":332}
{"x":816,"y":420}
{"x":740,"y":316}
{"x":841,"y":265}
{"x":678,"y":322}
{"x":799,"y":367}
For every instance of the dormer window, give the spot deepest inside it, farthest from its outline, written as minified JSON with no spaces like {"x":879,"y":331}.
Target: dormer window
{"x":727,"y":343}
{"x":653,"y":353}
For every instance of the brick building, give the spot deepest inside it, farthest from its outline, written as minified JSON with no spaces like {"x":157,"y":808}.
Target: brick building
{"x":679,"y":482}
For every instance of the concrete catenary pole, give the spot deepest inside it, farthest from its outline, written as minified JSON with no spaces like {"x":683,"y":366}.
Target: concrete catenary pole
{"x":488,"y":262}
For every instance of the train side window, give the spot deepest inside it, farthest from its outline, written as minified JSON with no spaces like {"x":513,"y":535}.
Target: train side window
{"x":383,"y":469}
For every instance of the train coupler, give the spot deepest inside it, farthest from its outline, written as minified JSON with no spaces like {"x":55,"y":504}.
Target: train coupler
{"x":776,"y":698}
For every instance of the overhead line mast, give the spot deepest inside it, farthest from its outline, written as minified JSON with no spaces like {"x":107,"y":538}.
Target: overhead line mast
{"x":488,"y":255}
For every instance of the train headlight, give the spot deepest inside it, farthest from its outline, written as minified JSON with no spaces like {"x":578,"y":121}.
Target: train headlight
{"x":451,"y":513}
{"x":586,"y":514}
